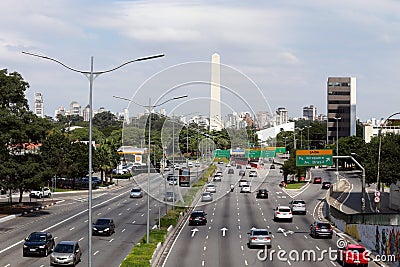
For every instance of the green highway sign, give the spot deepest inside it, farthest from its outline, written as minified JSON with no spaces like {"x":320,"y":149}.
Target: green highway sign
{"x":222,"y":153}
{"x":267,"y":153}
{"x":314,"y":160}
{"x":252,"y":153}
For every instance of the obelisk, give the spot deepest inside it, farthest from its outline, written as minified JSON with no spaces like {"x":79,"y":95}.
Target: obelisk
{"x":215,"y":101}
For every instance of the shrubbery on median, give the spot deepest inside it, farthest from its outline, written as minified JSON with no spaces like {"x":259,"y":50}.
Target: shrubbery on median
{"x":142,"y":253}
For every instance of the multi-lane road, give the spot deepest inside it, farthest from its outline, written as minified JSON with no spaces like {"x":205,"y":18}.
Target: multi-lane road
{"x":223,"y":241}
{"x":68,"y":220}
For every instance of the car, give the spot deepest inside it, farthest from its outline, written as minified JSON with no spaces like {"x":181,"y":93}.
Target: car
{"x":176,"y":167}
{"x":198,"y":217}
{"x":197,"y":164}
{"x":272,"y":166}
{"x":248,"y":167}
{"x":283,"y":213}
{"x":228,"y":165}
{"x":136,"y":192}
{"x":38,"y":243}
{"x":245,"y":189}
{"x":298,"y":206}
{"x":317,"y":180}
{"x":66,"y":253}
{"x":242,"y":173}
{"x":220,"y":162}
{"x":190,"y":164}
{"x":243,"y":182}
{"x":173,"y":181}
{"x":262,"y":193}
{"x":103,"y":226}
{"x":219,"y":173}
{"x":231,"y":171}
{"x":206,"y":197}
{"x":217,"y":178}
{"x":321,"y":229}
{"x":238,"y":166}
{"x":40,"y":192}
{"x":326,"y":185}
{"x":166,"y":169}
{"x":282,"y":184}
{"x":169,"y":196}
{"x":259,"y":237}
{"x":354,"y":254}
{"x":253,"y":174}
{"x":211,"y":188}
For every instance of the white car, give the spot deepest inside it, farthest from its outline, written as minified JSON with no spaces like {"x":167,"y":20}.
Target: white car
{"x":136,"y":192}
{"x":243,"y":182}
{"x":252,"y":174}
{"x":228,"y":165}
{"x":283,"y":213}
{"x":206,"y":197}
{"x":248,"y":166}
{"x":298,"y":206}
{"x":211,"y":188}
{"x":167,"y":169}
{"x":41,"y":192}
{"x":245,"y":189}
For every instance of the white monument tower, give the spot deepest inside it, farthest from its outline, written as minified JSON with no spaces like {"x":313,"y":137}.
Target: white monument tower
{"x":215,"y":102}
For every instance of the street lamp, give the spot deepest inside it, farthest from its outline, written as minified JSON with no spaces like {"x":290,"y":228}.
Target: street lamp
{"x":308,"y":135}
{"x":337,"y":146}
{"x":150,"y":107}
{"x":91,"y":75}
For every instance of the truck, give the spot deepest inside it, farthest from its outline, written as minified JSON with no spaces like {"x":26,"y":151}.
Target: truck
{"x":40,"y":193}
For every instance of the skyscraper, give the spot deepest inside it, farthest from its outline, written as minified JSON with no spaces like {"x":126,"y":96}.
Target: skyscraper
{"x":38,"y":105}
{"x":215,"y":101}
{"x":310,"y":113}
{"x":341,"y":105}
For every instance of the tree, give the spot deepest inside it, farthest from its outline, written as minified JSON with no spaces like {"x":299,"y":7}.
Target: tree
{"x":106,"y":157}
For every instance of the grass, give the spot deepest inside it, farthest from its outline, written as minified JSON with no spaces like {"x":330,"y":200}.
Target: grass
{"x":141,"y":254}
{"x":296,"y":185}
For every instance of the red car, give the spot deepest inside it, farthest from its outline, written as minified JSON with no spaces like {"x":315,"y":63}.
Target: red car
{"x":317,"y":180}
{"x":354,"y":255}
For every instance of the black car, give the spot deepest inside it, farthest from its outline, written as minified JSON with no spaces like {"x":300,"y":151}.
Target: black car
{"x":38,"y":243}
{"x":103,"y":226}
{"x":242,"y":173}
{"x":326,"y":185}
{"x":262,"y":193}
{"x":198,"y":217}
{"x":321,"y":229}
{"x":238,"y":167}
{"x":272,"y":166}
{"x":231,"y":171}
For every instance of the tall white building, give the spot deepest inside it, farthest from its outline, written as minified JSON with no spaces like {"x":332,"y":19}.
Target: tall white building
{"x":263,"y":119}
{"x":38,"y":105}
{"x":281,"y":116}
{"x":75,"y":109}
{"x":215,"y":101}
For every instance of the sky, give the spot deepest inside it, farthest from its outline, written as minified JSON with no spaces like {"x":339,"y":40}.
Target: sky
{"x":272,"y":53}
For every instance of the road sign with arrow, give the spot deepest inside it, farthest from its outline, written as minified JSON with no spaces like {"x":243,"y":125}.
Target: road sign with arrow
{"x":314,"y":157}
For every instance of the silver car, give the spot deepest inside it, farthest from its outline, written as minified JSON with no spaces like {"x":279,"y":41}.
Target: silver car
{"x":206,"y":197}
{"x":298,"y":206}
{"x":211,"y":188}
{"x":259,"y":237}
{"x":169,"y":196}
{"x":136,"y":192}
{"x":66,"y":253}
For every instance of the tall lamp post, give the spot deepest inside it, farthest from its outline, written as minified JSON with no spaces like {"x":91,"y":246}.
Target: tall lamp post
{"x":337,"y":147}
{"x":150,"y":107}
{"x":308,"y":135}
{"x":91,"y":75}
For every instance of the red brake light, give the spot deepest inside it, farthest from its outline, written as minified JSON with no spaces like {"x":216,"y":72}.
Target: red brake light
{"x":316,"y":227}
{"x":278,"y":212}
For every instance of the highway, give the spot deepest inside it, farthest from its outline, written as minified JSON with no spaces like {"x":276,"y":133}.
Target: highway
{"x":68,"y":220}
{"x":223,"y":241}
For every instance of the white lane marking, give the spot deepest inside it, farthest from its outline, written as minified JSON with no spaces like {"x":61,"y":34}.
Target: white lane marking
{"x":211,"y":220}
{"x":241,"y":247}
{"x":239,"y":227}
{"x":348,"y":195}
{"x":142,"y":215}
{"x":72,"y":228}
{"x":240,"y":236}
{"x":108,"y":208}
{"x":202,"y":263}
{"x":262,"y":213}
{"x":119,"y":214}
{"x":123,"y":230}
{"x":273,"y":236}
{"x":317,"y":248}
{"x":279,"y":247}
{"x":305,"y":236}
{"x":128,"y":208}
{"x":86,"y":221}
{"x":111,"y":240}
{"x":99,"y":213}
{"x":207,"y":237}
{"x":333,"y":263}
{"x":80,"y":239}
{"x":289,"y":262}
{"x":297,"y":227}
{"x":245,"y":262}
{"x":204,"y":248}
{"x":96,"y":252}
{"x":8,"y":265}
{"x":133,"y":222}
{"x":209,"y":228}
